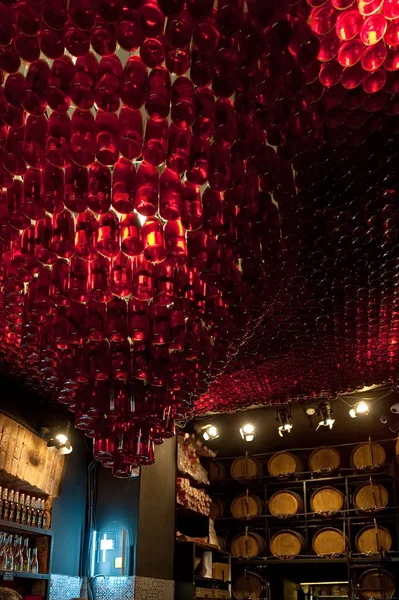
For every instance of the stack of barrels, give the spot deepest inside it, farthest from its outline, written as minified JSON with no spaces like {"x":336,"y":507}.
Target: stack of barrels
{"x":326,"y":501}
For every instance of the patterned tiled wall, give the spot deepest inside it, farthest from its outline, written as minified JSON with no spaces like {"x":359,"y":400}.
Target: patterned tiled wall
{"x":113,"y":588}
{"x":64,"y":587}
{"x":146,"y":588}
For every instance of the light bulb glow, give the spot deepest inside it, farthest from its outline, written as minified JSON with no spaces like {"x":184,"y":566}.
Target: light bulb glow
{"x":362,"y":408}
{"x":62,"y":438}
{"x":210,"y":432}
{"x":247,"y":432}
{"x":352,"y":413}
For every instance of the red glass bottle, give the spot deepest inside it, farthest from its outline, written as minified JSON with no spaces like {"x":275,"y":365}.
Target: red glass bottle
{"x":155,"y":141}
{"x":107,"y":127}
{"x":130,"y":133}
{"x":83,"y":141}
{"x":76,"y":188}
{"x":170,"y":195}
{"x":153,"y":237}
{"x":107,"y":241}
{"x":158,"y":94}
{"x":99,"y":188}
{"x":124,"y":186}
{"x":131,"y":235}
{"x":146,"y":202}
{"x":86,"y":231}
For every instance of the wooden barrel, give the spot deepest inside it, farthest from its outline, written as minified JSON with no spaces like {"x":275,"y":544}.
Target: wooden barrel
{"x":373,"y":539}
{"x":284,"y":504}
{"x":377,"y":584}
{"x":324,"y":460}
{"x":246,"y":506}
{"x":286,"y":543}
{"x":246,"y":467}
{"x":370,"y":497}
{"x":283,"y":464}
{"x":217,"y":509}
{"x":369,"y":455}
{"x":223,"y":544}
{"x":248,"y":544}
{"x":327,"y":501}
{"x":328,"y":542}
{"x":216,"y":471}
{"x":249,"y":586}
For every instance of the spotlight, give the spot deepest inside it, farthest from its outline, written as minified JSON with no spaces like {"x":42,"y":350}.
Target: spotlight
{"x":209,"y":432}
{"x":248,"y":432}
{"x":325,"y":411}
{"x":310,"y":411}
{"x":361,"y":408}
{"x":284,"y":421}
{"x":60,"y":441}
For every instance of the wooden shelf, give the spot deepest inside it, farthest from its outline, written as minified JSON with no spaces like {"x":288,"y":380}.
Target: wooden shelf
{"x":194,"y":482}
{"x":211,"y":580}
{"x":23,"y":575}
{"x":204,"y":547}
{"x":18,"y":528}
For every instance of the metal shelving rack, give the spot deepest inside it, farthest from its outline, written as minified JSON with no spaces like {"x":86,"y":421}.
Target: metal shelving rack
{"x":350,"y":520}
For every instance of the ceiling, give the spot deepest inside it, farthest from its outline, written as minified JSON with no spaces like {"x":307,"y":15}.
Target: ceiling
{"x":264,"y":266}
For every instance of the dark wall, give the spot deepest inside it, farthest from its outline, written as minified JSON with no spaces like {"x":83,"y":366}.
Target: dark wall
{"x":68,"y":514}
{"x":116,"y":509}
{"x":156,"y":530}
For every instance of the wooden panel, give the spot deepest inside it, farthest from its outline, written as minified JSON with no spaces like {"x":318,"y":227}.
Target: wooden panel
{"x":25,"y":460}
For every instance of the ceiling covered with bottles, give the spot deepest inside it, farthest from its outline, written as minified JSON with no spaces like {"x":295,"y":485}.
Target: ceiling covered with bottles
{"x":199,"y":205}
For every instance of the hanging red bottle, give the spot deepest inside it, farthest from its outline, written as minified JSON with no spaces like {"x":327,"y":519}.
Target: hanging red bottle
{"x":130,"y":133}
{"x":124,"y":186}
{"x":33,"y":194}
{"x":83,"y":137}
{"x":76,"y":188}
{"x":131,"y":235}
{"x":106,"y":138}
{"x":59,"y":81}
{"x":107,"y":240}
{"x":121,"y":276}
{"x":86,"y":230}
{"x":179,"y":143}
{"x":134,"y":85}
{"x":154,"y":243}
{"x":34,"y":145}
{"x":170,"y":195}
{"x":191,"y":213}
{"x":158,"y":94}
{"x":53,"y":184}
{"x":100,"y":279}
{"x":62,"y":239}
{"x":183,"y":111}
{"x":155,"y":142}
{"x":58,"y":139}
{"x":146,"y":202}
{"x":99,"y":188}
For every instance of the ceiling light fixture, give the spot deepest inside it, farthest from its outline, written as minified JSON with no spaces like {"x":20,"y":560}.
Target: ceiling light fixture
{"x":60,"y":441}
{"x":310,"y":411}
{"x":361,"y":408}
{"x":210,"y":432}
{"x":284,"y":421}
{"x":248,"y":432}
{"x":325,"y":412}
